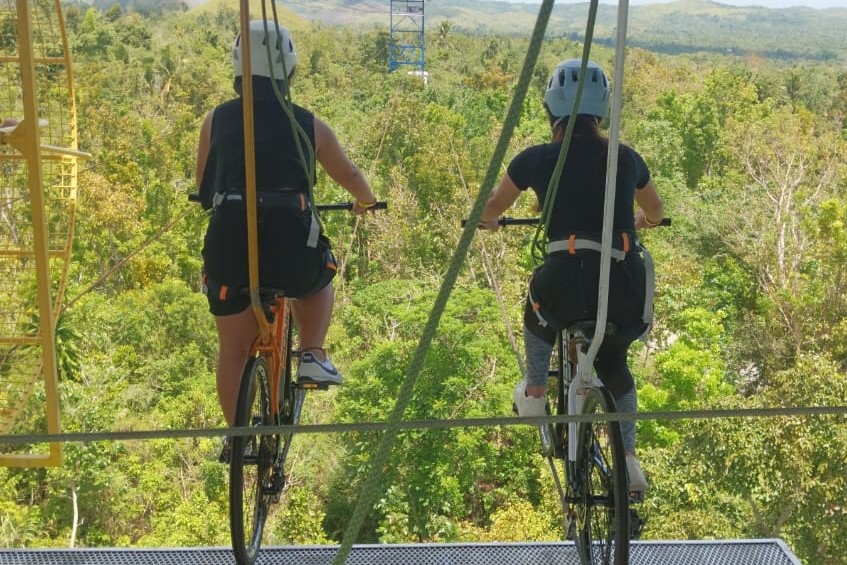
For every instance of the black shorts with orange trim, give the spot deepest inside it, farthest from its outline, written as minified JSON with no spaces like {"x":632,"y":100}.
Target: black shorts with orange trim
{"x":285,"y":262}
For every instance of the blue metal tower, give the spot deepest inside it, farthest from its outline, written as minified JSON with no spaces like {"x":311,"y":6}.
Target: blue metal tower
{"x":406,"y":43}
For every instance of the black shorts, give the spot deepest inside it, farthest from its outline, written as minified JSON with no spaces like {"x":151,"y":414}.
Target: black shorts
{"x":567,"y":289}
{"x":285,"y":262}
{"x":567,"y":286}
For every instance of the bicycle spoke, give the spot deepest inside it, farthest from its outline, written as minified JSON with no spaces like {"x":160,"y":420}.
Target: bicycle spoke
{"x":252,"y":464}
{"x":601,"y":505}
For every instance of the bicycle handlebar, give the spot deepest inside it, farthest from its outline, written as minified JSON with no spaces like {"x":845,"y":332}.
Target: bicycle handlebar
{"x":509,"y":221}
{"x":380,"y":205}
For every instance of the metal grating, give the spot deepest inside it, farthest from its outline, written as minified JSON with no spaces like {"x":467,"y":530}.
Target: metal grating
{"x":739,"y":552}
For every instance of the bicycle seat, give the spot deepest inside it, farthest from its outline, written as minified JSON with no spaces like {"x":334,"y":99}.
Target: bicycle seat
{"x":587,"y":327}
{"x":266,"y":294}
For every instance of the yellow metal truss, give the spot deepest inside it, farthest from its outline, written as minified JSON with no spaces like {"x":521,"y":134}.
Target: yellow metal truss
{"x":38,"y":189}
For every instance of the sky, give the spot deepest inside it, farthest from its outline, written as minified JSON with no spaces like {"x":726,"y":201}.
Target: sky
{"x":770,"y":3}
{"x":766,"y":3}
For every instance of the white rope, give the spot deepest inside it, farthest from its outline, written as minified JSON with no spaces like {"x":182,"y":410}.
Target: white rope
{"x":611,"y":185}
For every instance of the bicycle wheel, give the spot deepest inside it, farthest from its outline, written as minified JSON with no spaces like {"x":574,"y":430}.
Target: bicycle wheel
{"x":601,"y":506}
{"x":251,"y":469}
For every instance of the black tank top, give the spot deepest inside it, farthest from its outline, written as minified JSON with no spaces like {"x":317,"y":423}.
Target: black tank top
{"x":278,"y":163}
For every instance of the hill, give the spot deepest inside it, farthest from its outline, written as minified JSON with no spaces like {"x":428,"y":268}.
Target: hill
{"x":686,"y":26}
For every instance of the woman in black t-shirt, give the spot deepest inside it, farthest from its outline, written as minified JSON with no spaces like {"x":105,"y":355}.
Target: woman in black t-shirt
{"x":565,"y":287}
{"x":293,"y":254}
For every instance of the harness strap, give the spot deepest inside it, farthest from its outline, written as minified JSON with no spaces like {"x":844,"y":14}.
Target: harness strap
{"x":536,"y":308}
{"x":573,"y":244}
{"x":296,"y":200}
{"x":314,"y":231}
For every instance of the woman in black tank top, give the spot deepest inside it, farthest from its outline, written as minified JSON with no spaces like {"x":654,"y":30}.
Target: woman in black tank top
{"x":293,"y":254}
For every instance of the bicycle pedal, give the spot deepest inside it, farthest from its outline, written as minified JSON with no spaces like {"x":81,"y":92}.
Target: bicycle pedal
{"x":306,"y":383}
{"x":570,"y":528}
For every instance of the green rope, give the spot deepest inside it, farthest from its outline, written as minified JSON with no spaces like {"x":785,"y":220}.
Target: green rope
{"x":380,"y":457}
{"x":300,"y":136}
{"x":539,"y":240}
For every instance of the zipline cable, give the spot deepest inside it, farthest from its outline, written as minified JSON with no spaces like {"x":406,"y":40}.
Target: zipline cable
{"x":676,"y":415}
{"x":109,"y":272}
{"x":488,"y":267}
{"x":342,"y":267}
{"x":380,"y":458}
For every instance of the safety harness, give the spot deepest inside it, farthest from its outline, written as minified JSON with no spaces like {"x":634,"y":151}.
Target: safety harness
{"x":278,"y":199}
{"x":572,"y":245}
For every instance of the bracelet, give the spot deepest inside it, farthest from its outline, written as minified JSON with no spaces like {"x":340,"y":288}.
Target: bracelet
{"x":650,"y":222}
{"x":361,"y":204}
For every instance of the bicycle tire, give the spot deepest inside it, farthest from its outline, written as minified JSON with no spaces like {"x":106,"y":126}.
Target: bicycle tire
{"x":601,"y":502}
{"x":251,"y":464}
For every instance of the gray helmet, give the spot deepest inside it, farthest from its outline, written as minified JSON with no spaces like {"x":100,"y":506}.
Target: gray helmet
{"x":282,"y":51}
{"x":561,"y":90}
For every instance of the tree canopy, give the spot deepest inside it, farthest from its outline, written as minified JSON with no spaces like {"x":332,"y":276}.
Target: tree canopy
{"x":751,"y":308}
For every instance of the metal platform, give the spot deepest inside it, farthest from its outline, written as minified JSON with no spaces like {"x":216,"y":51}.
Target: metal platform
{"x":738,"y":552}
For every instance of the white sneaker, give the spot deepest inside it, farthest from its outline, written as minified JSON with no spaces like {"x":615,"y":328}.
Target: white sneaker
{"x":528,"y":406}
{"x":637,"y":482}
{"x":318,"y":371}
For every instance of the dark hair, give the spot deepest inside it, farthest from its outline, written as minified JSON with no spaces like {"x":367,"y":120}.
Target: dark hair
{"x":586,"y":125}
{"x":262,"y":87}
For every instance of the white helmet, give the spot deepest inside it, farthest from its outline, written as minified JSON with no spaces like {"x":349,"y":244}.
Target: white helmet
{"x":283,"y":57}
{"x":561,"y":90}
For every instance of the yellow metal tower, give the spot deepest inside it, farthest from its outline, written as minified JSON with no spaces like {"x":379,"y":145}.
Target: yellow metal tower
{"x":38,"y":188}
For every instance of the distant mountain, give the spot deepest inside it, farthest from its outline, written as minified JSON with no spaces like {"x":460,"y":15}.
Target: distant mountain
{"x":686,"y":26}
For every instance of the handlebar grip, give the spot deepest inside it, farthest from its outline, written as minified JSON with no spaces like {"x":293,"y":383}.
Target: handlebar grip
{"x":380,"y":205}
{"x":508,"y":221}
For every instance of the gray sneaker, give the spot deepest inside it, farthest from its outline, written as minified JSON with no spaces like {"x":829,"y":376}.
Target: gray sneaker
{"x":318,"y":371}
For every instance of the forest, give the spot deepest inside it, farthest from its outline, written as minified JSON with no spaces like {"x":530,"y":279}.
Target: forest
{"x":750,"y":158}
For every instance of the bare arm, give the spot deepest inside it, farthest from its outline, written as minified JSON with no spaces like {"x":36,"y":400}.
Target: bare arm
{"x":501,"y":199}
{"x":652,"y":209}
{"x":335,"y":162}
{"x":203,"y":146}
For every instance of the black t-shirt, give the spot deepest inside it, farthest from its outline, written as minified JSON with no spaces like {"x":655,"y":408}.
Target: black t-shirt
{"x":582,"y":185}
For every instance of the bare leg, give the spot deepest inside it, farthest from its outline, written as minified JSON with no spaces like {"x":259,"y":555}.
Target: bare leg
{"x":312,"y":316}
{"x":235,"y":334}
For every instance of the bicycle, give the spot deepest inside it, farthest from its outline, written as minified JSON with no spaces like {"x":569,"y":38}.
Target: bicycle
{"x":595,"y":497}
{"x":268,"y":396}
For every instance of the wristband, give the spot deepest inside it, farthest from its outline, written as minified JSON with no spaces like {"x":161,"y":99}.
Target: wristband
{"x":650,"y":222}
{"x":361,"y":204}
